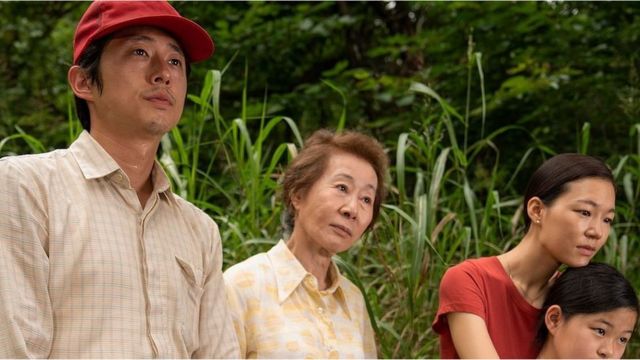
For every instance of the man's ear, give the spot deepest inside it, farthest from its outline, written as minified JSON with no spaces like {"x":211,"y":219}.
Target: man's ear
{"x":553,"y":318}
{"x":80,"y":83}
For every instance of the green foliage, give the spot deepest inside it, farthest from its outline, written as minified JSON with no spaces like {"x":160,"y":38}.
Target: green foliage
{"x":242,"y":200}
{"x":467,"y":97}
{"x":36,"y":52}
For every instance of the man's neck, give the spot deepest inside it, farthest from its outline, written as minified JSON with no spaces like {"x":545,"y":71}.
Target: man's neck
{"x":135,"y":156}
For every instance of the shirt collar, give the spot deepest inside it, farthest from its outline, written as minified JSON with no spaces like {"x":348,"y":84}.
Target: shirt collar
{"x":290,"y":274}
{"x":95,"y":162}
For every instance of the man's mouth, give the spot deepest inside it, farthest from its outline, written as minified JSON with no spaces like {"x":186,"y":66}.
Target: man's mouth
{"x":160,"y":98}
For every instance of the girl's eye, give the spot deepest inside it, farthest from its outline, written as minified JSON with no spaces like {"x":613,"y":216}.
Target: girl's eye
{"x":599,"y":331}
{"x":623,"y":340}
{"x":585,"y":212}
{"x":176,"y":62}
{"x":608,"y":221}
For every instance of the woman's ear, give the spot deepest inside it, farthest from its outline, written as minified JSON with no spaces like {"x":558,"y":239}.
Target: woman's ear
{"x":553,"y":318}
{"x":296,"y":199}
{"x":535,"y":209}
{"x":80,"y":83}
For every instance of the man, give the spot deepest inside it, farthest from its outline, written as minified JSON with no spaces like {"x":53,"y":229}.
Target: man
{"x":98,"y":258}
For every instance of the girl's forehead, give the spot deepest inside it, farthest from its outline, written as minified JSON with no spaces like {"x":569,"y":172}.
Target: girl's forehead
{"x":623,"y":319}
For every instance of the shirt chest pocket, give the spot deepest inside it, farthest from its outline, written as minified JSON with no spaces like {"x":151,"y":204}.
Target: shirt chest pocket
{"x":189,"y":292}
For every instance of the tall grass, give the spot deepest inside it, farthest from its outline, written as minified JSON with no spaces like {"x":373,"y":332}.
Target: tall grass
{"x":441,"y":210}
{"x":237,"y":180}
{"x":448,"y":200}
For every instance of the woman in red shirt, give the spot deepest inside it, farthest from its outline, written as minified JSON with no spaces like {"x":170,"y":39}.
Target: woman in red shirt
{"x":489,"y":306}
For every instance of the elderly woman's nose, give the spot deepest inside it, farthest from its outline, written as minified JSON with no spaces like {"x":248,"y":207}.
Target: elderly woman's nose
{"x":349,"y":208}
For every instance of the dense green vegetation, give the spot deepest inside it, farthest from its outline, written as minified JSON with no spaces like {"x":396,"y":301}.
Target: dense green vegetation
{"x":467,"y":97}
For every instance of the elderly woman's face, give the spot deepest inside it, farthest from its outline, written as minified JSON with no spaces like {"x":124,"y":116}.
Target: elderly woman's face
{"x":338,"y":207}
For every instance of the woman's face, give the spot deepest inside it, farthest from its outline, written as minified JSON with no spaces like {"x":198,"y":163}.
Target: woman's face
{"x":591,"y":336}
{"x":576,"y":225}
{"x":338,"y":207}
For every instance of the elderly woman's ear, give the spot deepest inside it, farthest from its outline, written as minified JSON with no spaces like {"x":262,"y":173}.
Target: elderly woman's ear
{"x":296,"y":198}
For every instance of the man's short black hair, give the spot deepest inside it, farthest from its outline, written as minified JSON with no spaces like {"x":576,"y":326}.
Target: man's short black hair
{"x":89,"y":61}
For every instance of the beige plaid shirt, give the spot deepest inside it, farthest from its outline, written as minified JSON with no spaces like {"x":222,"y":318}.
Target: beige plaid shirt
{"x":279,"y":312}
{"x":86,"y":272}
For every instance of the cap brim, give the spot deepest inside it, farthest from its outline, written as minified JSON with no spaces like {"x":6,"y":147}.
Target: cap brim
{"x":194,"y":40}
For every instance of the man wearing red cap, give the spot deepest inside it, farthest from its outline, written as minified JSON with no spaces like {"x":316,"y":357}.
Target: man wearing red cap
{"x":98,"y":258}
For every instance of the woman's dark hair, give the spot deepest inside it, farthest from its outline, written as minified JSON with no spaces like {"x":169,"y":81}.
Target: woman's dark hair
{"x":590,"y":289}
{"x":550,"y":180}
{"x":89,"y":61}
{"x":309,"y":165}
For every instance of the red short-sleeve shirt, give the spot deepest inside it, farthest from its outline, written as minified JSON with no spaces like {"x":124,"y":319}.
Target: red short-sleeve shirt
{"x":482,"y":287}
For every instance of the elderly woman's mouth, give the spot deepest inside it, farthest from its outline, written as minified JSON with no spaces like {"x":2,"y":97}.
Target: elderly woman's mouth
{"x":342,"y":229}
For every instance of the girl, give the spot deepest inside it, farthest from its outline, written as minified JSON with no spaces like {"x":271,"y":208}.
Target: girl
{"x":590,"y":312}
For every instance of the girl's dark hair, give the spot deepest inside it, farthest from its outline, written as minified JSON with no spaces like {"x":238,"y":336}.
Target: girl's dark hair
{"x":550,"y":179}
{"x":590,"y":289}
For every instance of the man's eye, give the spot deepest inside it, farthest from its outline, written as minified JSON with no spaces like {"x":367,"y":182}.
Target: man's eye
{"x":140,"y":52}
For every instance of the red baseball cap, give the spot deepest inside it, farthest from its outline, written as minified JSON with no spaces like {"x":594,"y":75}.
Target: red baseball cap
{"x":105,"y":17}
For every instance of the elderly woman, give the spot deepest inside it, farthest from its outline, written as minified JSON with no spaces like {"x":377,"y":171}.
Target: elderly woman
{"x":292,"y":301}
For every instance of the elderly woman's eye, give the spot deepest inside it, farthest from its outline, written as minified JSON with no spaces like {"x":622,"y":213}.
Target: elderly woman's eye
{"x":367,"y":200}
{"x":342,"y":187}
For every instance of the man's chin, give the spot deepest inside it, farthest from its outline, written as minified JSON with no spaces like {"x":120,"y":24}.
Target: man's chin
{"x":159,"y":128}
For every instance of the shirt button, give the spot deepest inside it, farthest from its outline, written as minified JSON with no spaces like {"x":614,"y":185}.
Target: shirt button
{"x":320,"y":310}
